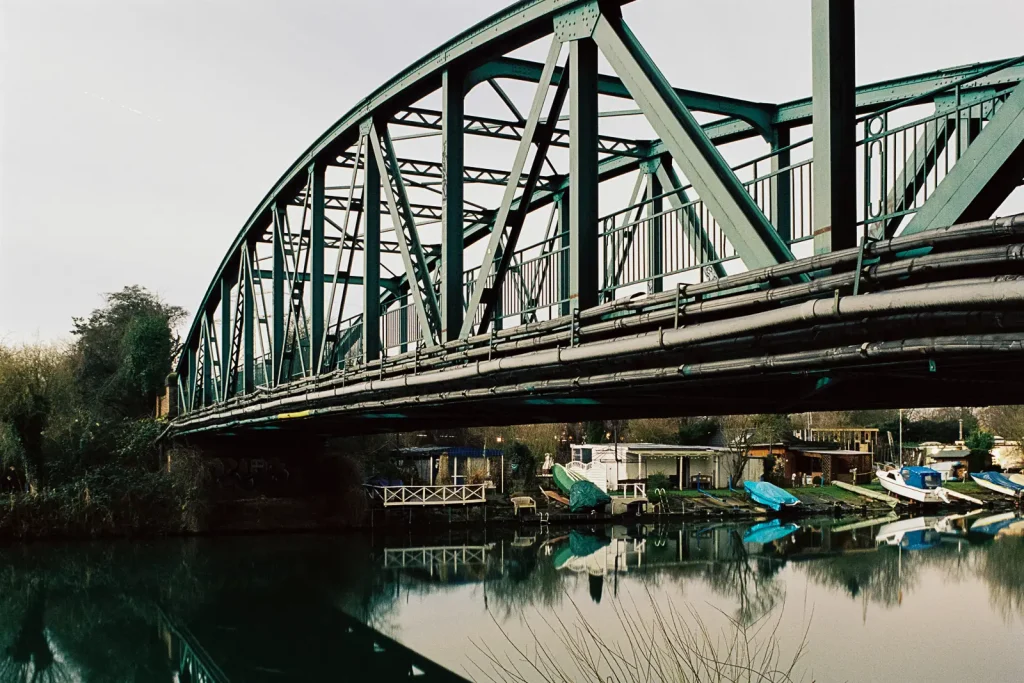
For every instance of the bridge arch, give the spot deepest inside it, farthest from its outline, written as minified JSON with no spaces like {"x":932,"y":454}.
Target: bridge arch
{"x":354,"y":263}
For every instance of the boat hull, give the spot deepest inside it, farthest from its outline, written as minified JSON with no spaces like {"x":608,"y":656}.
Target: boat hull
{"x":563,"y":480}
{"x":892,"y":483}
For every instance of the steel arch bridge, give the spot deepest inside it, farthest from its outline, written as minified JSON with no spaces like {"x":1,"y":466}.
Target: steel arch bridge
{"x":487,"y":239}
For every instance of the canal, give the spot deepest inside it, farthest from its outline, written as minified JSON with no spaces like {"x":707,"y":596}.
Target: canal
{"x":925,"y":599}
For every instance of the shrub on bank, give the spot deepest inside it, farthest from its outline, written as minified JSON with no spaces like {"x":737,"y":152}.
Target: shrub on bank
{"x":112,"y":500}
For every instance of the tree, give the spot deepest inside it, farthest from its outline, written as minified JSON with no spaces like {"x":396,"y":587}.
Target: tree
{"x":981,"y":444}
{"x":698,"y":432}
{"x":743,"y":431}
{"x":981,"y":440}
{"x":1006,"y":421}
{"x":34,"y":380}
{"x":124,"y":351}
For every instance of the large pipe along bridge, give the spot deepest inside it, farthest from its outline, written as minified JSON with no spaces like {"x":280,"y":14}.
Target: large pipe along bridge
{"x":487,"y":239}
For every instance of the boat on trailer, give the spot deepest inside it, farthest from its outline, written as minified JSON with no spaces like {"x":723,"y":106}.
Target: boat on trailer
{"x":1000,"y":483}
{"x":922,"y":484}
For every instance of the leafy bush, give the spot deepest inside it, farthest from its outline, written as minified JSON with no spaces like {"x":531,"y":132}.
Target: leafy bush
{"x":658,"y":481}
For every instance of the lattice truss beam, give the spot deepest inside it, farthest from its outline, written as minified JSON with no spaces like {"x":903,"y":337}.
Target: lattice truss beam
{"x":542,"y":164}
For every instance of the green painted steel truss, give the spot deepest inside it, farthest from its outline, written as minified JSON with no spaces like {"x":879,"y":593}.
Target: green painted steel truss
{"x":382,"y":240}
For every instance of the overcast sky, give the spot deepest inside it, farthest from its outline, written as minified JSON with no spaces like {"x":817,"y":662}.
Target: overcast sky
{"x":136,"y":136}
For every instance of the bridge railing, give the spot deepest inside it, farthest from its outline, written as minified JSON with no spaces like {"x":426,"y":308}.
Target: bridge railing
{"x":904,"y":162}
{"x":400,"y":328}
{"x":460,"y":494}
{"x":536,"y":286}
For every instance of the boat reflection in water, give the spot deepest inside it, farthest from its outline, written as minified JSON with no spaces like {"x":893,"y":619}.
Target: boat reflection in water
{"x":351,"y":607}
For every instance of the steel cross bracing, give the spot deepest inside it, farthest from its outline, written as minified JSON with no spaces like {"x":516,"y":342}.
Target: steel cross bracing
{"x":382,"y":242}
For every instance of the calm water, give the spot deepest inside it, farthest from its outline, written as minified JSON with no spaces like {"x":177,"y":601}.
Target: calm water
{"x":912,"y":600}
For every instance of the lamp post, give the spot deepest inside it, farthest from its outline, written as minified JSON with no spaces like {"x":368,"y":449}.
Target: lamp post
{"x":901,"y":437}
{"x":502,"y":467}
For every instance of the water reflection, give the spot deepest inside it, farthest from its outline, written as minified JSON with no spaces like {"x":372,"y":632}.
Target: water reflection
{"x":321,"y":607}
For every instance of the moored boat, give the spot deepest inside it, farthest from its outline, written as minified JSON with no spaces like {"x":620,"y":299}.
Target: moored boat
{"x":769,"y":495}
{"x":1000,"y":483}
{"x":922,"y":484}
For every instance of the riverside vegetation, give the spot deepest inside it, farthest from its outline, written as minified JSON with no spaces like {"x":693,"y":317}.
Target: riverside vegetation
{"x":77,"y":434}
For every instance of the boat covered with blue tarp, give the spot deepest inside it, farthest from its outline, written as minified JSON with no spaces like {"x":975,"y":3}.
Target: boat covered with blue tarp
{"x":998,"y":482}
{"x":769,"y":495}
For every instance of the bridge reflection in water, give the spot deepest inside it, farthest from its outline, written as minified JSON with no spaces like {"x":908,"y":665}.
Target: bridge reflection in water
{"x":362,"y":650}
{"x":301,"y":608}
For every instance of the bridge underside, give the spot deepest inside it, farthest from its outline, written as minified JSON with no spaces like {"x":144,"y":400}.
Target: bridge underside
{"x":456,"y":250}
{"x":952,"y":381}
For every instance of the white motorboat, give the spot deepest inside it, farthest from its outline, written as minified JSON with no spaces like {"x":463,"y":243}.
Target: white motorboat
{"x":922,"y":484}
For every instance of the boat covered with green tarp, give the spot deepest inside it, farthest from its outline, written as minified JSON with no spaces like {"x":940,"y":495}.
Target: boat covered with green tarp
{"x":585,"y":496}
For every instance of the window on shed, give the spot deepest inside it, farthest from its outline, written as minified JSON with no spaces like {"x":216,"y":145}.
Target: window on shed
{"x":587,"y":454}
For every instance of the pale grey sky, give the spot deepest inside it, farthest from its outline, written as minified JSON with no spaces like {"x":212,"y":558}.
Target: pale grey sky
{"x":137,"y":136}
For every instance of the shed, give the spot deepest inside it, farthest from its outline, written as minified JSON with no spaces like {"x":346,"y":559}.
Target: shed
{"x":684,"y":466}
{"x":425,"y":459}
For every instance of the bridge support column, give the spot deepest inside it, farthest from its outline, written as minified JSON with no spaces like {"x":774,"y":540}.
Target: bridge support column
{"x":452,"y":169}
{"x":248,"y":325}
{"x":403,"y":324}
{"x":564,"y":308}
{"x":834,"y":125}
{"x":655,"y":236}
{"x":226,"y":331}
{"x":583,"y":180}
{"x":371,"y":257}
{"x":781,"y":185}
{"x":208,"y":346}
{"x":316,"y":258}
{"x":277,"y":344}
{"x":194,"y":400}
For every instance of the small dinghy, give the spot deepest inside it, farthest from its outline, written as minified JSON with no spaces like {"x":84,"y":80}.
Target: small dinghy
{"x":769,"y":495}
{"x":1000,"y":483}
{"x":922,"y":484}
